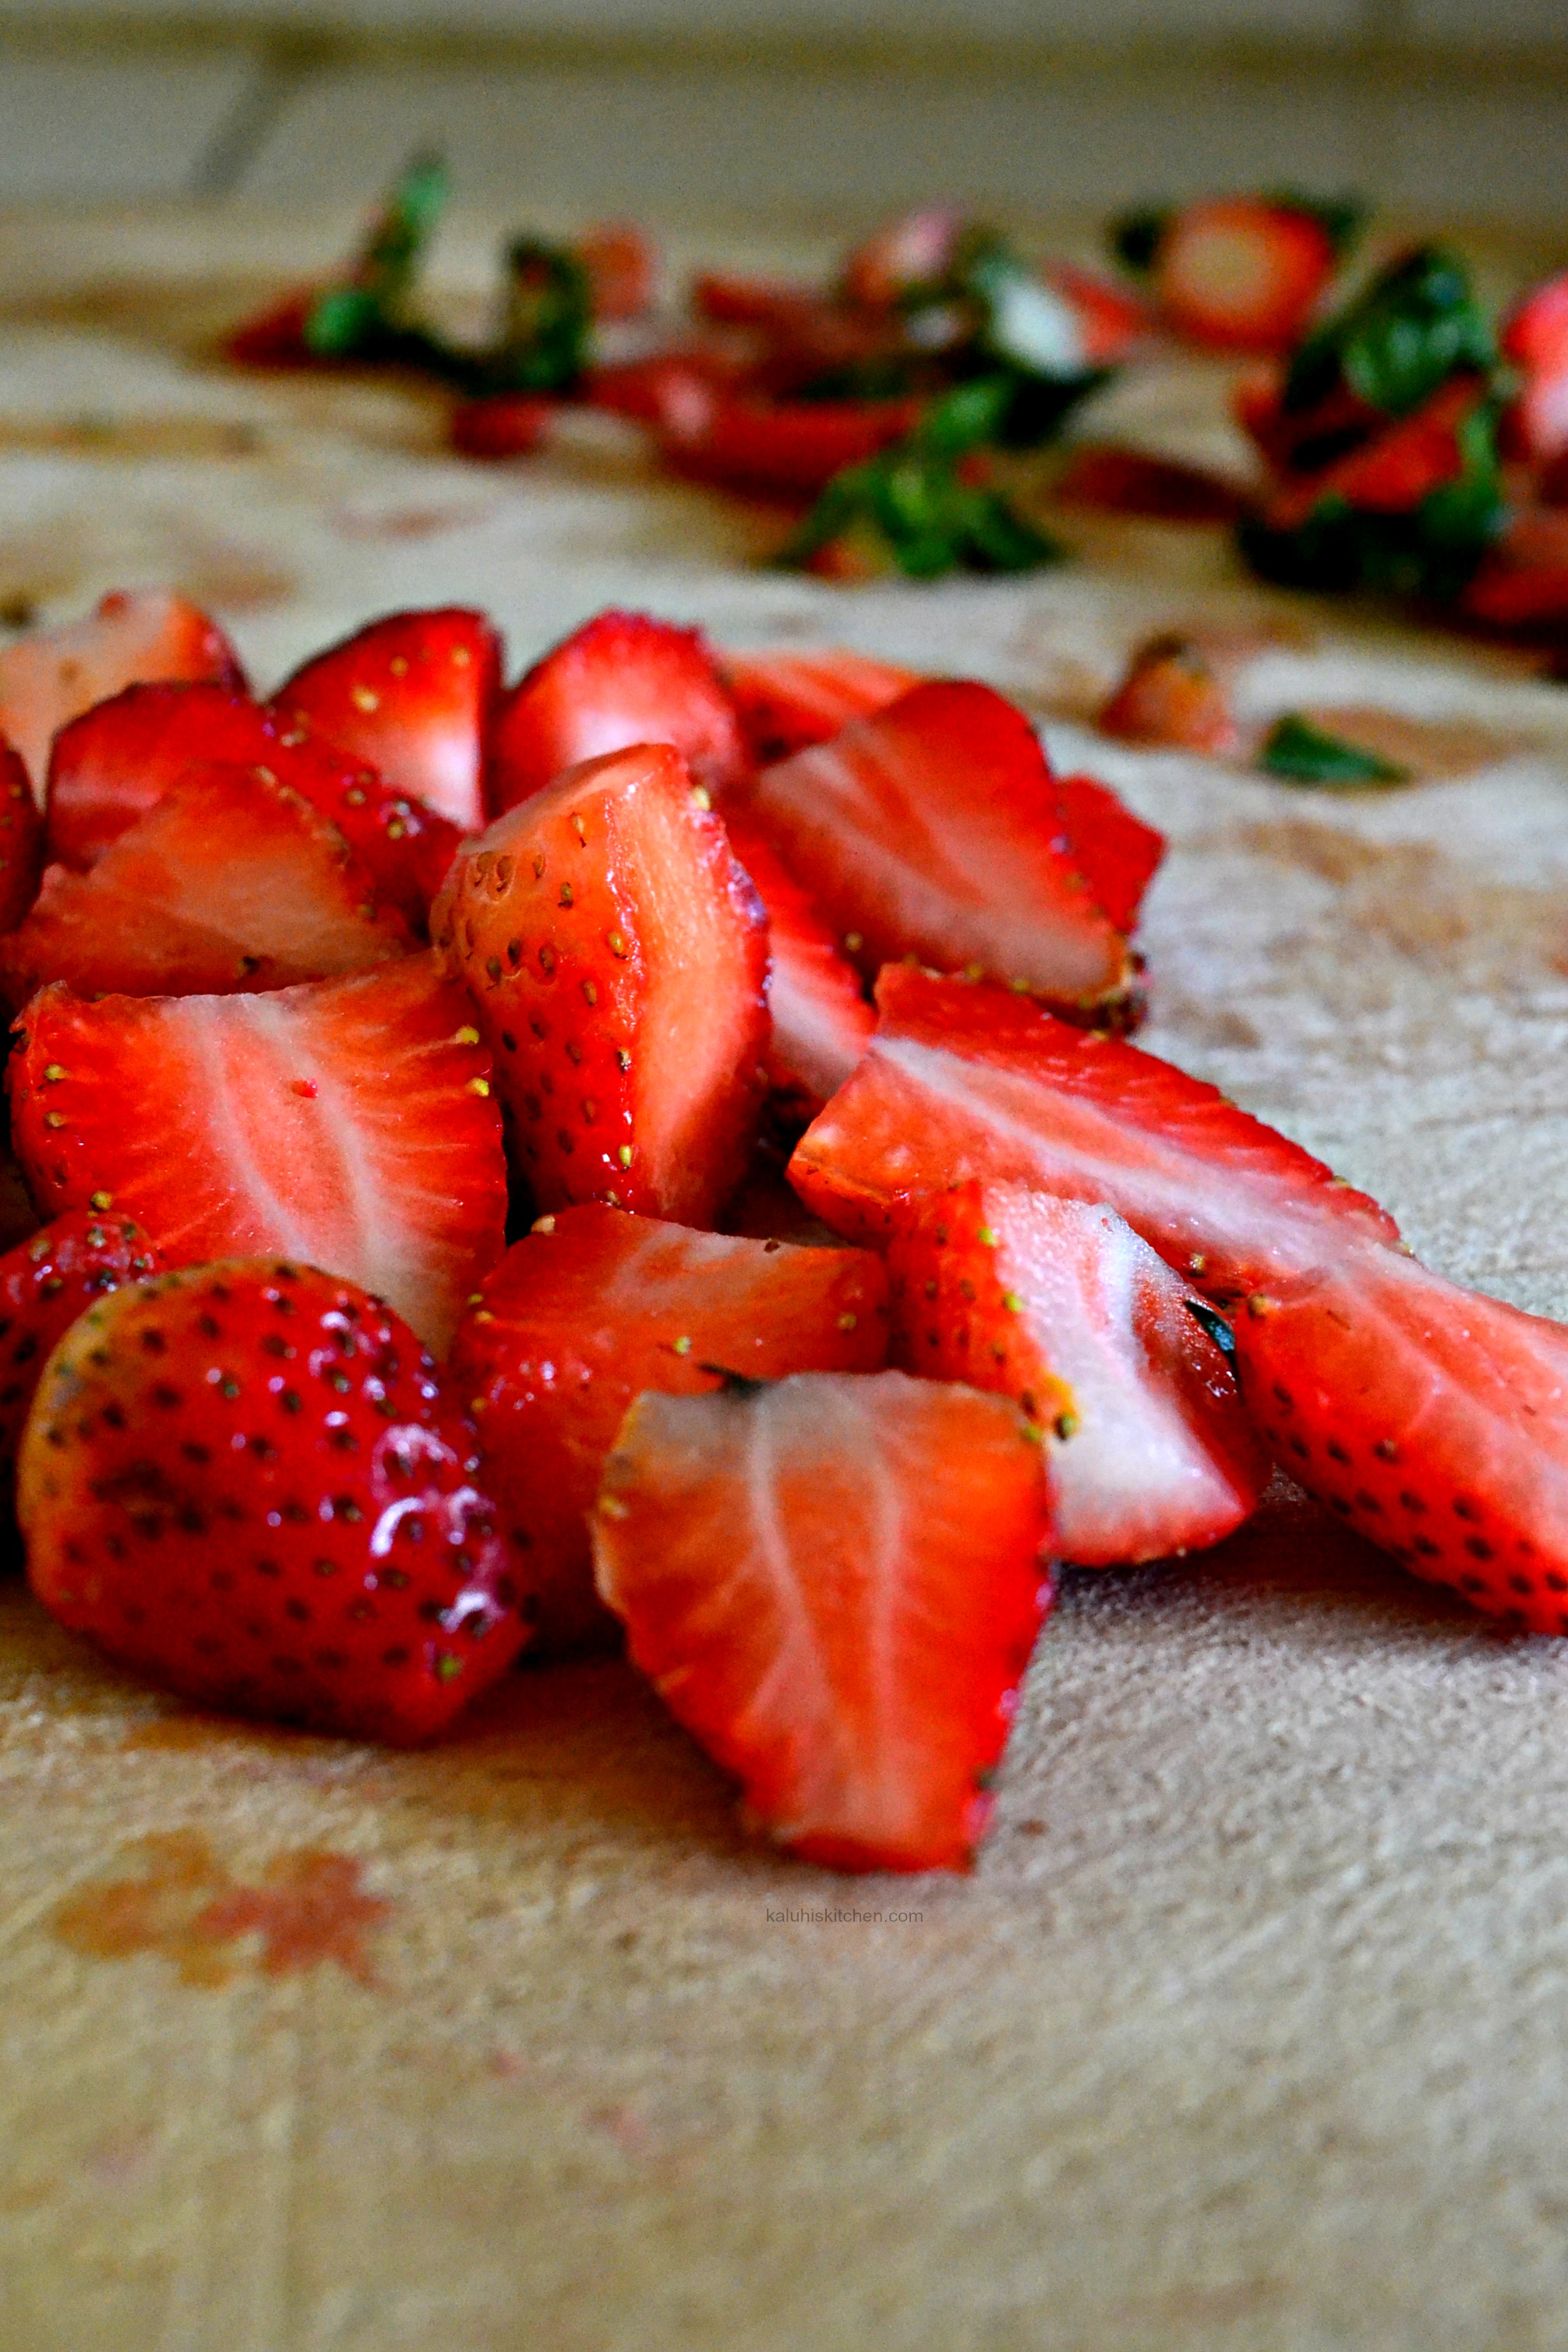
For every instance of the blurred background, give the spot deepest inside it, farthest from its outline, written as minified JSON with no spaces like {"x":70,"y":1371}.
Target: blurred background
{"x":810,"y":111}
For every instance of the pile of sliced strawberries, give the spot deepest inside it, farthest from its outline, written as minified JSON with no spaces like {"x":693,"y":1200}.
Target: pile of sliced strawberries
{"x":319,"y":998}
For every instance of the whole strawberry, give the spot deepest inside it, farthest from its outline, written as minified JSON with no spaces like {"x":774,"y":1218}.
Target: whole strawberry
{"x":245,"y":1481}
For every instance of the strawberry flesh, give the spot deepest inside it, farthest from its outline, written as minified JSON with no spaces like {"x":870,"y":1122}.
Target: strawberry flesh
{"x":21,"y":840}
{"x":834,"y":1582}
{"x":414,"y":695}
{"x":821,"y":1020}
{"x":787,"y":701}
{"x":227,"y":883}
{"x":617,"y":958}
{"x":965,"y":1082}
{"x":50,"y":676}
{"x":594,"y":1306}
{"x":1432,"y":1419}
{"x":1243,"y":274}
{"x":44,"y":1284}
{"x":1057,"y":1304}
{"x":245,"y":1480}
{"x":621,"y":679}
{"x":117,"y":760}
{"x":1117,"y":854}
{"x":347,"y":1123}
{"x":930,"y":830}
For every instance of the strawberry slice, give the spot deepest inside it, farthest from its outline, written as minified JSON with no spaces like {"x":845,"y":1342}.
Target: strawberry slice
{"x":21,"y":840}
{"x":44,"y":1284}
{"x":347,"y":1123}
{"x":965,"y":1082}
{"x":622,"y":263}
{"x":413,"y":694}
{"x":1171,"y":695}
{"x":821,"y":1020}
{"x":776,"y":449}
{"x":1534,"y":336}
{"x":618,"y":957}
{"x":789,"y":700}
{"x":1057,"y":1304}
{"x":1433,"y":1419}
{"x":1243,"y":274}
{"x":117,"y":760}
{"x":246,"y":1481}
{"x":930,"y":829}
{"x":227,"y":883}
{"x":916,"y":250}
{"x":49,"y":676}
{"x":593,"y":1305}
{"x":1522,"y":581}
{"x":501,"y":424}
{"x":1117,"y":854}
{"x":622,"y":678}
{"x":834,"y":1583}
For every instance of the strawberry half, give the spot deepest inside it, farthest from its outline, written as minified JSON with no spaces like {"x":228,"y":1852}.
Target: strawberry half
{"x":930,"y":830}
{"x":1433,"y":1419}
{"x":117,"y":760}
{"x":245,"y":1481}
{"x":44,"y":1284}
{"x":228,"y":883}
{"x":49,"y":676}
{"x":787,"y":701}
{"x":593,"y":1305}
{"x":1117,"y":854}
{"x":413,"y":694}
{"x":621,"y":679}
{"x":348,"y":1124}
{"x":821,"y":1020}
{"x":617,"y":958}
{"x":834,"y":1583}
{"x":1057,"y":1304}
{"x":1243,"y":274}
{"x":965,"y":1082}
{"x":21,"y":840}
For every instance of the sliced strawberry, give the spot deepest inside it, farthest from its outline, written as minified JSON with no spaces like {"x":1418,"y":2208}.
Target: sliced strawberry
{"x":51,"y":675}
{"x":118,"y":760}
{"x":1169,"y":695}
{"x":246,"y":1481}
{"x":1107,"y":320}
{"x":618,"y":957}
{"x":227,"y":883}
{"x":1522,"y":582}
{"x":789,"y":700}
{"x":731,"y":299}
{"x":821,"y":1020}
{"x":972,"y":1082}
{"x":1535,"y":338}
{"x":1242,"y":273}
{"x":1434,"y":1420}
{"x":502,"y":425}
{"x":620,"y":679}
{"x":930,"y":829}
{"x":622,"y":263}
{"x":916,"y":250}
{"x":1117,"y":854}
{"x":777,"y":448}
{"x":834,"y":1583}
{"x":21,"y":840}
{"x":593,"y":1305}
{"x":348,"y":1123}
{"x":1057,"y":1304}
{"x":1395,"y":471}
{"x":414,"y":695}
{"x":44,"y":1284}
{"x":275,"y":337}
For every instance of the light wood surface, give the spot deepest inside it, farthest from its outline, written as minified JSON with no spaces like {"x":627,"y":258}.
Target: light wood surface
{"x":1248,"y":2034}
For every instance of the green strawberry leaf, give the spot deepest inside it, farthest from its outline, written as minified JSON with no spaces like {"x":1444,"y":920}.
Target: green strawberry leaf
{"x":1304,"y":754}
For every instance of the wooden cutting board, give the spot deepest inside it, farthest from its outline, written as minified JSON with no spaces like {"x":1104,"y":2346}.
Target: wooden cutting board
{"x":1250,"y":2031}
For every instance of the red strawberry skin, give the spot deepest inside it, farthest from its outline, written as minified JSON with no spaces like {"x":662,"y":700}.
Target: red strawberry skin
{"x":44,"y":1284}
{"x":821,"y":1022}
{"x":21,"y":840}
{"x":118,"y":760}
{"x":594,"y":1306}
{"x":227,"y":883}
{"x":931,"y":829}
{"x":1243,"y":274}
{"x":349,"y":1124}
{"x":788,"y":700}
{"x":835,"y":1583}
{"x":245,"y":1480}
{"x":1433,"y":1420}
{"x":1057,"y":1304}
{"x":965,"y":1082}
{"x":623,"y":678}
{"x":413,"y":694}
{"x":49,"y":676}
{"x":616,"y":955}
{"x":1117,"y":854}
